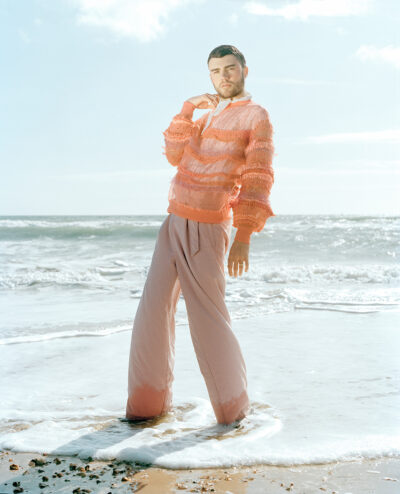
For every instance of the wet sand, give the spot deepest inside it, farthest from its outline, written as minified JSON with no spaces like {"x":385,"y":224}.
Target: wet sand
{"x":33,"y":473}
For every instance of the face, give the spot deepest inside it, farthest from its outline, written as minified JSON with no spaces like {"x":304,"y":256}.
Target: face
{"x":227,"y":76}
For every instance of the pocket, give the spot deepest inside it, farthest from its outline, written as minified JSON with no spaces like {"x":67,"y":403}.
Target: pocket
{"x":227,"y":239}
{"x":221,"y":237}
{"x":163,"y":224}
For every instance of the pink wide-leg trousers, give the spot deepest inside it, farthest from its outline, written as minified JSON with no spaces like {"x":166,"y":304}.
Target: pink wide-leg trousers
{"x":188,"y":256}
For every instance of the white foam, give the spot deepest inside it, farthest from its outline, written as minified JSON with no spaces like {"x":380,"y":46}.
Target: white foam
{"x":318,"y":393}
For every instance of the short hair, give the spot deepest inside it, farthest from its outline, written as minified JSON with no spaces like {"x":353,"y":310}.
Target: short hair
{"x":222,"y":50}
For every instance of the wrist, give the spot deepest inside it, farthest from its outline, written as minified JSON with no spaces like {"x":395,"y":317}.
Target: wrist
{"x":188,"y":109}
{"x":243,"y":234}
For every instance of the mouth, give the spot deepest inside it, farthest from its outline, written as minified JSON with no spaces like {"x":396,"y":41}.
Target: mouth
{"x":224,"y":85}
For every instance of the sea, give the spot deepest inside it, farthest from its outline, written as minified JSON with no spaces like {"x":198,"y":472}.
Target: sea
{"x":317,"y":316}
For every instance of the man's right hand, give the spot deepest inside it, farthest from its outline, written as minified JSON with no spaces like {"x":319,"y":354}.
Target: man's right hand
{"x":204,"y":101}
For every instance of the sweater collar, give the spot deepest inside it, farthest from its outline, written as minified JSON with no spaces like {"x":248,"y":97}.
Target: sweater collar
{"x":232,"y":102}
{"x":225,"y":103}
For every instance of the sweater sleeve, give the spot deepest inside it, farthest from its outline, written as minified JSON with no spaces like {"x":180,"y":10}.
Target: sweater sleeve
{"x":178,"y":134}
{"x":251,"y":209}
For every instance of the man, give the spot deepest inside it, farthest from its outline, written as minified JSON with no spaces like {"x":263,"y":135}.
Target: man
{"x":224,"y":165}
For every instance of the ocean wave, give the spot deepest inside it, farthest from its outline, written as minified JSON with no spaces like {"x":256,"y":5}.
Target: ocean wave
{"x":365,"y":273}
{"x":38,"y":277}
{"x":62,"y":222}
{"x":24,"y":229}
{"x":34,"y":338}
{"x":46,"y":276}
{"x":107,"y":277}
{"x":50,"y":334}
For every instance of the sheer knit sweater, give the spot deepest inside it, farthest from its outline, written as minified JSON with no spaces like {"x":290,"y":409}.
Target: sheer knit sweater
{"x":225,"y":166}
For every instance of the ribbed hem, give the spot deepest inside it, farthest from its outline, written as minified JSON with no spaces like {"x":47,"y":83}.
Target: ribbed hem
{"x":243,"y":234}
{"x":187,"y":109}
{"x":202,"y":215}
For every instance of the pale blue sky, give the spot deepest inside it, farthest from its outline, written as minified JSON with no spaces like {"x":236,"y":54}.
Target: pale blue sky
{"x":87,"y":88}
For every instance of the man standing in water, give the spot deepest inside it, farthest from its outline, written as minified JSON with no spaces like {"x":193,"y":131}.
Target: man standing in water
{"x":224,"y":165}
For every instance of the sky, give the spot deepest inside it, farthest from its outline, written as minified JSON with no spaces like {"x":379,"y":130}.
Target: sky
{"x":87,"y":88}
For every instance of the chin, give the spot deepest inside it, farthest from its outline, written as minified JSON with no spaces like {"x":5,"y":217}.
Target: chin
{"x":229,"y":94}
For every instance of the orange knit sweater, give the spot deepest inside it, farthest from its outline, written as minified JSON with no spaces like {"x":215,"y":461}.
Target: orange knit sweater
{"x":228,"y":166}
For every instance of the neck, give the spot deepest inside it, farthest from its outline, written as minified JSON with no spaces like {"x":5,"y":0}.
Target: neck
{"x":243,"y":93}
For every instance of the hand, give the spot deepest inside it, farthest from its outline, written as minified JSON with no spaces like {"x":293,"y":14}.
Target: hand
{"x":204,"y":101}
{"x":238,"y":256}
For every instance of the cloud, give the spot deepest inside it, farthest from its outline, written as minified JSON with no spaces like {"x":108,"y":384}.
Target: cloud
{"x":24,"y":36}
{"x":389,"y":135}
{"x":303,"y":9}
{"x":233,"y":18}
{"x":144,"y":20}
{"x":389,"y":54}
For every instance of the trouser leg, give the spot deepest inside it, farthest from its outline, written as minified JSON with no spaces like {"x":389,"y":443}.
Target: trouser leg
{"x":152,"y":350}
{"x":200,"y":250}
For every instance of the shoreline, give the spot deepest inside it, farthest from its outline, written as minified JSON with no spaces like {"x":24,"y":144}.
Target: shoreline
{"x":50,"y":473}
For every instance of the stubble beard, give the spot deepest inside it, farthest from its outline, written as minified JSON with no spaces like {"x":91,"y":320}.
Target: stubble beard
{"x":232,"y":90}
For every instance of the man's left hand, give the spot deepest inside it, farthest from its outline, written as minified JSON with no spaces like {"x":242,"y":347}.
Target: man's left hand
{"x":238,"y":257}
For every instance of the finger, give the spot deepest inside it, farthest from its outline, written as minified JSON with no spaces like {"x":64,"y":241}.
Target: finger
{"x":247,"y":265}
{"x":209,"y":99}
{"x":230,"y":267}
{"x":240,"y":269}
{"x":235,"y":268}
{"x":213,"y":98}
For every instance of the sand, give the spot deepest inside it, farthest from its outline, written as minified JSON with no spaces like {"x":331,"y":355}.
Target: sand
{"x":33,"y":472}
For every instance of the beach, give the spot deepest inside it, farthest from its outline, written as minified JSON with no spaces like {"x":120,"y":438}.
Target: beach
{"x":316,"y":316}
{"x":381,"y":476}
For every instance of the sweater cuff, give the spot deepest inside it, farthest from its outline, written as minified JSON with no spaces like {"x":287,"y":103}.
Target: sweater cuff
{"x":187,"y":109}
{"x":243,"y":234}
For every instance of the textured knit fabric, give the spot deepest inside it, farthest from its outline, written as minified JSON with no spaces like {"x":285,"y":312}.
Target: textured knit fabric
{"x":226,"y":166}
